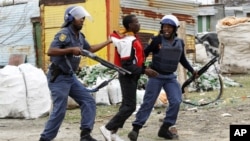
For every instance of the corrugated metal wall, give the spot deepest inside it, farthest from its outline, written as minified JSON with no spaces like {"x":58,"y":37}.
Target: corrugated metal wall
{"x":149,"y":13}
{"x":95,"y":31}
{"x":16,"y":34}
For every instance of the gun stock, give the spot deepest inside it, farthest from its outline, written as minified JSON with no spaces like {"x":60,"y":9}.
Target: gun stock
{"x":200,"y":72}
{"x":104,"y":62}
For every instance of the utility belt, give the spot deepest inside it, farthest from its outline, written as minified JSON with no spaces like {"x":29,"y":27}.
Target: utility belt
{"x":56,"y":71}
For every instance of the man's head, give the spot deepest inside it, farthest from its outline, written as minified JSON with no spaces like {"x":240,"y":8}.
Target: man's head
{"x":169,"y":25}
{"x":131,"y":23}
{"x":75,"y":15}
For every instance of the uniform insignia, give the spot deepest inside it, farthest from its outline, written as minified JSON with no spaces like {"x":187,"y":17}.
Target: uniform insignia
{"x":62,"y":37}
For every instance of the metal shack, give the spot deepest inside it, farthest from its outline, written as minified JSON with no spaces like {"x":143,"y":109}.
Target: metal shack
{"x":150,"y":12}
{"x":17,"y":34}
{"x":28,"y":26}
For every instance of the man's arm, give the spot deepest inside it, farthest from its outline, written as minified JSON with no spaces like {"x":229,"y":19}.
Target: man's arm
{"x":96,"y":47}
{"x":54,"y":51}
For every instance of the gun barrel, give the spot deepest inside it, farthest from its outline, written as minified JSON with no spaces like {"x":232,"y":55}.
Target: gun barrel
{"x":104,"y":62}
{"x":203,"y":69}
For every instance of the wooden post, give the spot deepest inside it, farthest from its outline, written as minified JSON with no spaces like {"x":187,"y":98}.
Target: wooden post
{"x":182,"y":74}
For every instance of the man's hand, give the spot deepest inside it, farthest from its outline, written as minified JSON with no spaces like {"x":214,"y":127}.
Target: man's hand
{"x":76,"y":50}
{"x":150,"y":72}
{"x":195,"y":74}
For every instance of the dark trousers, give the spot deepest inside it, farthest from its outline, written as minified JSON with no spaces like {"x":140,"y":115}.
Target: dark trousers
{"x":174,"y":95}
{"x":61,"y":88}
{"x":128,"y":87}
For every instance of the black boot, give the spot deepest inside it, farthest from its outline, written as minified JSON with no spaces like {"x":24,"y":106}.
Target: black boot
{"x":133,"y":135}
{"x":85,"y":136}
{"x":165,"y":133}
{"x":42,"y":139}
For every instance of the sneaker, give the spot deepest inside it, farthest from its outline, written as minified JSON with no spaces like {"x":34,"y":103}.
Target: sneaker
{"x":106,"y":133}
{"x":132,"y":135}
{"x":115,"y":137}
{"x":87,"y":138}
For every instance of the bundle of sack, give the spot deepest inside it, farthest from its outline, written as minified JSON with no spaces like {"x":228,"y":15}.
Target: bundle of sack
{"x":24,"y":92}
{"x":233,"y":34}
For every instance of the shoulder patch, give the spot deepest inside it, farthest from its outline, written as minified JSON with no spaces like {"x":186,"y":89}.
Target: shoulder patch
{"x":62,"y":37}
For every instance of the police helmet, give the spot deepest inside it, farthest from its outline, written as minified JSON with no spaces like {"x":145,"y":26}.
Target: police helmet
{"x":75,"y":12}
{"x":171,"y":20}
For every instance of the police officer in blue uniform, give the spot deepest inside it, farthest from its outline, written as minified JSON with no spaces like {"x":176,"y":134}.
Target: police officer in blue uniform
{"x":167,"y":51}
{"x":64,"y":52}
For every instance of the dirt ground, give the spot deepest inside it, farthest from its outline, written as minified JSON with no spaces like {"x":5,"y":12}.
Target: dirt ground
{"x":194,"y":124}
{"x":208,"y":123}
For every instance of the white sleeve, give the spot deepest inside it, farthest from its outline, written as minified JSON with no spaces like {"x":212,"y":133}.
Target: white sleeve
{"x":124,"y":46}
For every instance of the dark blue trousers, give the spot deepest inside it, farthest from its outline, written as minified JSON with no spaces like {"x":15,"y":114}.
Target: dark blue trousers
{"x":174,"y":95}
{"x":64,"y":86}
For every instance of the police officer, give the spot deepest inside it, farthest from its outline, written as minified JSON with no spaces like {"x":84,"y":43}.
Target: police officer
{"x":64,"y":54}
{"x":167,"y":51}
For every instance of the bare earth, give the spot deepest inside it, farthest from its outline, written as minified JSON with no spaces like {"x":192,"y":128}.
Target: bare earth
{"x":202,"y":124}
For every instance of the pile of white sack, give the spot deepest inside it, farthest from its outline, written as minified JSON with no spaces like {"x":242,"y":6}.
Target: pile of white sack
{"x":24,"y":92}
{"x":233,"y":34}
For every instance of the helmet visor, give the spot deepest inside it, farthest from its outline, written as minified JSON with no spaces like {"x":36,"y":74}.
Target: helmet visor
{"x":79,"y":12}
{"x":168,"y":21}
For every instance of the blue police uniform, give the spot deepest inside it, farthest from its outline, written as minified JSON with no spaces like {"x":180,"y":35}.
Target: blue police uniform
{"x":66,"y":84}
{"x":166,"y":57}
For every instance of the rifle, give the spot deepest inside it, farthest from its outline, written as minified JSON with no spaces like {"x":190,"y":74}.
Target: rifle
{"x":200,"y":72}
{"x":104,"y":62}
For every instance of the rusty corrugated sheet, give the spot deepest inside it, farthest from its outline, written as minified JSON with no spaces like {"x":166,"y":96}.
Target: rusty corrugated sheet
{"x":150,"y":12}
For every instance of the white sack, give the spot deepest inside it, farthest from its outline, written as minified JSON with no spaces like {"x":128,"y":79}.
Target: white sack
{"x":12,"y":93}
{"x":38,"y":93}
{"x":139,"y":96}
{"x":201,"y":54}
{"x":114,"y":92}
{"x":24,"y":92}
{"x":234,"y":47}
{"x":101,"y":96}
